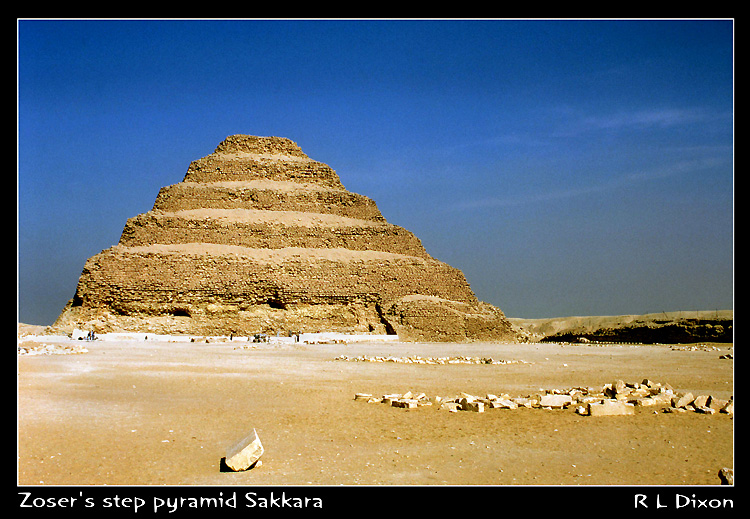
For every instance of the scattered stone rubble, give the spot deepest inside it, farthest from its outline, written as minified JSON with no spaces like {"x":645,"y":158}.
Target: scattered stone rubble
{"x":696,"y":347}
{"x":617,"y":398}
{"x":33,"y":348}
{"x":416,"y":359}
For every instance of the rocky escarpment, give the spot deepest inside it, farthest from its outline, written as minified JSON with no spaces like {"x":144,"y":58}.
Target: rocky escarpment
{"x":663,"y":327}
{"x":259,"y":238}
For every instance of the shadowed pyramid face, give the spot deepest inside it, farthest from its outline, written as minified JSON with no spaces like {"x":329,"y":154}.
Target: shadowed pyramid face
{"x":259,"y":238}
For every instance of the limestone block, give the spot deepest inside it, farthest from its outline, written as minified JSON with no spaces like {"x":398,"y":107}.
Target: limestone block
{"x":503,"y":403}
{"x":245,"y":453}
{"x":682,"y":400}
{"x":619,"y":386}
{"x":662,"y":398}
{"x":610,"y":408}
{"x":390,"y":398}
{"x":450,"y":406}
{"x":701,"y":401}
{"x":555,"y":401}
{"x":526,"y":401}
{"x":475,"y":406}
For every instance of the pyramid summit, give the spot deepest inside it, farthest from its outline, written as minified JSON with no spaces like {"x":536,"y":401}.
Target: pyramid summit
{"x":260,"y":238}
{"x":260,"y":145}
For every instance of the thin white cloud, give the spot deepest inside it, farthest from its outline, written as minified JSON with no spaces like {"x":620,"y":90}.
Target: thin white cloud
{"x":661,"y":118}
{"x":582,"y":191}
{"x":574,"y":123}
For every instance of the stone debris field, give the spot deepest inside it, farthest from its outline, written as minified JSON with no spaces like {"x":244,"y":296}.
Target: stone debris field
{"x":475,"y":417}
{"x":417,"y":359}
{"x":31,"y":348}
{"x":249,"y":275}
{"x":618,"y":398}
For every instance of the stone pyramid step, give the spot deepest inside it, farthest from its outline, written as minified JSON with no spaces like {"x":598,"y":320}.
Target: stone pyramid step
{"x":210,"y":281}
{"x":251,"y":158}
{"x":266,"y":195}
{"x":268,"y":230}
{"x":258,"y":237}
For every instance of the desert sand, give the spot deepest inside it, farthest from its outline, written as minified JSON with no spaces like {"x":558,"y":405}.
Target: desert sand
{"x":155,"y":412}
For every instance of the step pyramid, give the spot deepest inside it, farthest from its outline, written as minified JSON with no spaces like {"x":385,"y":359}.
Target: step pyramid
{"x":260,"y":238}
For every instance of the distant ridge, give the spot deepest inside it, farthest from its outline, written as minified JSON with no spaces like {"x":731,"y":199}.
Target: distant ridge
{"x":663,"y":327}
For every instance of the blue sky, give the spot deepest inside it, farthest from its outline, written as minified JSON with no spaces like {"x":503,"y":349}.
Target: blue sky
{"x":566,"y":167}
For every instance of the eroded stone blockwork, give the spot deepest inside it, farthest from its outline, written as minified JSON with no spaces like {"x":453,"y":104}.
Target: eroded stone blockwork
{"x":259,"y":238}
